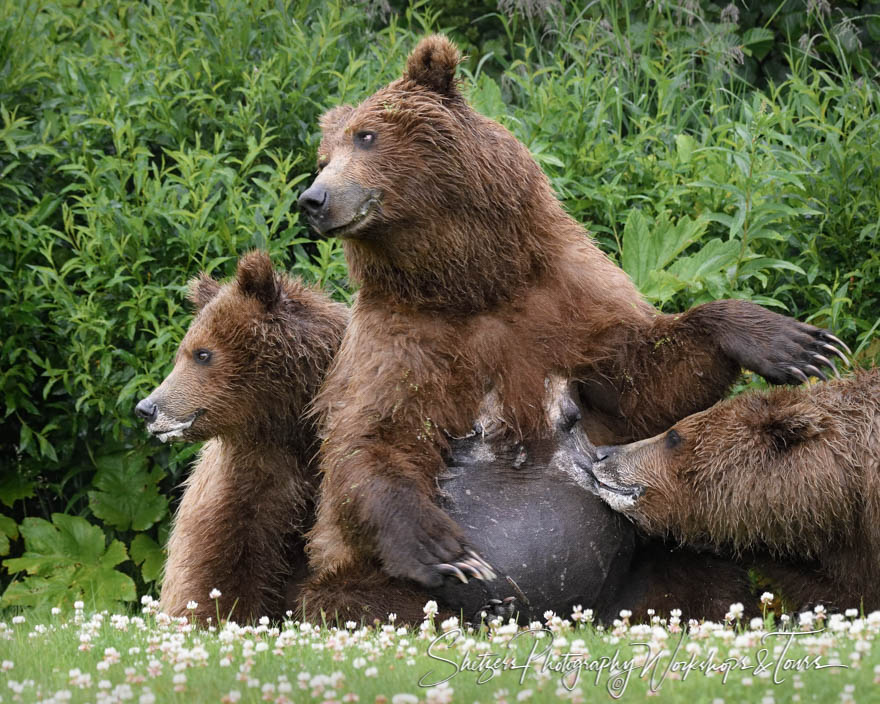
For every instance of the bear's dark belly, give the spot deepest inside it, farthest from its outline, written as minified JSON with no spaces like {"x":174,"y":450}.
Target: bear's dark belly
{"x":532,"y":515}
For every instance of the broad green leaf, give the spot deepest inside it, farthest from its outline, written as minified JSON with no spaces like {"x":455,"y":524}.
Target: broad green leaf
{"x":763,"y":263}
{"x":36,"y":591}
{"x":64,"y":561}
{"x":147,"y":553}
{"x":486,"y":98}
{"x":715,"y":256}
{"x":759,"y":40}
{"x":648,"y":248}
{"x":127,"y":496}
{"x":8,"y":531}
{"x":13,"y":488}
{"x":636,"y":256}
{"x":684,"y":145}
{"x":660,"y":286}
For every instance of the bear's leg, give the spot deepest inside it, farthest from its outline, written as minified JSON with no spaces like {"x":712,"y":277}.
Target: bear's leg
{"x":363,"y":594}
{"x":226,"y":540}
{"x":681,"y":364}
{"x":412,"y":537}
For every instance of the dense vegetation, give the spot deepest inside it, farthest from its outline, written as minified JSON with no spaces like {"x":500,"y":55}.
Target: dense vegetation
{"x":716,"y":151}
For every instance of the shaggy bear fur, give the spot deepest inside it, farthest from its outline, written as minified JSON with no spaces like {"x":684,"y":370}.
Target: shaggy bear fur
{"x":472,"y":277}
{"x":532,"y":506}
{"x":247,"y":368}
{"x":793,"y":471}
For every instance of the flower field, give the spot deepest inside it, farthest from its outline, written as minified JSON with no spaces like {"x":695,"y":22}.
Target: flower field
{"x":75,"y":656}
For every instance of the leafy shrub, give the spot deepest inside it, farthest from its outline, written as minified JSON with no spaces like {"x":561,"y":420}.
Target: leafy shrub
{"x":143,"y":142}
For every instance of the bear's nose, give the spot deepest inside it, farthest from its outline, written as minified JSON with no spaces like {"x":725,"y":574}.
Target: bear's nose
{"x":604,"y":452}
{"x":147,"y":410}
{"x":314,"y":200}
{"x":570,"y":414}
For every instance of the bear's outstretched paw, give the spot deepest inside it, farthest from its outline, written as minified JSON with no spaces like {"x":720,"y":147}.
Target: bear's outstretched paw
{"x":808,"y":352}
{"x":785,"y":351}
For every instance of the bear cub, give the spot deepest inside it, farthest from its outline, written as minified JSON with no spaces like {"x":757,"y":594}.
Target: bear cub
{"x":243,"y":378}
{"x":794,"y":472}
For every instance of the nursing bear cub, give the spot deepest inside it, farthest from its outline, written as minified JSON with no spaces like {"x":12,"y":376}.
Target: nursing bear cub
{"x":473,"y":278}
{"x":793,"y":471}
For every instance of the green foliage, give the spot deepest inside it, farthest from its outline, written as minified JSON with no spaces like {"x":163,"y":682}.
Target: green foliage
{"x":8,"y":531}
{"x":65,"y":561}
{"x":147,"y":553}
{"x":713,"y":156}
{"x":127,"y":495}
{"x":139,"y":144}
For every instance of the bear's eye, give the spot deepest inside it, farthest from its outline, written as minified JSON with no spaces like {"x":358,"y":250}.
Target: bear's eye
{"x":322,"y":164}
{"x":202,"y":356}
{"x":673,"y":439}
{"x":365,"y":139}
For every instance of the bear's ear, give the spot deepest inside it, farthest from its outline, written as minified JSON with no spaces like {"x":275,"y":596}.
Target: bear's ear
{"x":432,"y":64}
{"x":790,"y":425}
{"x":256,"y":278}
{"x":202,"y":289}
{"x":334,"y":118}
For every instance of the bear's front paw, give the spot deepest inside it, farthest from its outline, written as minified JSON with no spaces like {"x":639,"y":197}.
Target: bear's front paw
{"x":783,"y":350}
{"x":432,"y":552}
{"x":808,"y":351}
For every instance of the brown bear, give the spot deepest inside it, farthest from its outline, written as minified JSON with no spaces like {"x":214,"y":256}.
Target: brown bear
{"x":473,"y":277}
{"x":793,"y":471}
{"x":244,"y":374}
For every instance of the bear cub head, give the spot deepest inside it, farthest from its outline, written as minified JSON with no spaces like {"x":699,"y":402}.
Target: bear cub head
{"x":251,"y":360}
{"x":674,"y":481}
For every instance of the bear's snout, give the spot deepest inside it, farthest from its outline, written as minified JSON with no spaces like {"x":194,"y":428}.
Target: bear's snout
{"x":147,"y":410}
{"x":315,"y":200}
{"x":604,"y":452}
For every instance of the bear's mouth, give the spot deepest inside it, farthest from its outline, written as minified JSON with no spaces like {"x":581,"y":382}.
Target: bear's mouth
{"x":360,"y":219}
{"x":167,"y":428}
{"x":618,"y":497}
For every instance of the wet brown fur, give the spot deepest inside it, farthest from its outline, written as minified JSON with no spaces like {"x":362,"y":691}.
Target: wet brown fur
{"x":250,"y":497}
{"x":472,"y":276}
{"x":792,"y":471}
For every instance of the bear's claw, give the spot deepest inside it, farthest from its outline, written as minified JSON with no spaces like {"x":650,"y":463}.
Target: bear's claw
{"x":470,"y":566}
{"x":837,"y":341}
{"x":780,"y":349}
{"x":496,"y":608}
{"x":815,"y":349}
{"x":798,"y":373}
{"x":828,"y":363}
{"x":815,"y":371}
{"x":833,"y":350}
{"x":453,"y":571}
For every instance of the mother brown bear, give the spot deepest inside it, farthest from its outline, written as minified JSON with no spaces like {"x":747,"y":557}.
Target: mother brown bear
{"x":473,"y":278}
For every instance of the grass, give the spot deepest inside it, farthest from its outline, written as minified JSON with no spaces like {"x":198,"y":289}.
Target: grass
{"x":149,"y":657}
